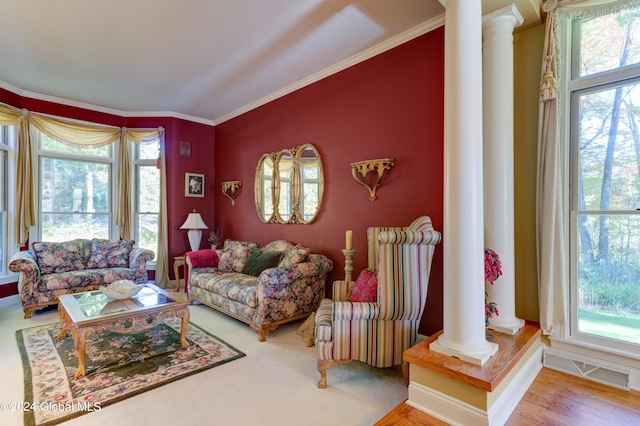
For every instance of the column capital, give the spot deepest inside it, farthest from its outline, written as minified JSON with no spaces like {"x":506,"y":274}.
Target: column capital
{"x":508,"y":13}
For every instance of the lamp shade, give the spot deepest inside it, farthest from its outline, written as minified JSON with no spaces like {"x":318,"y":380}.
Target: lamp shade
{"x":194,"y":221}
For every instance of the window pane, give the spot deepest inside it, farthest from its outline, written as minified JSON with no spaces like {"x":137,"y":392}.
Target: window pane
{"x":149,"y":192}
{"x":49,"y":144}
{"x":148,"y":232}
{"x":266,"y":196}
{"x":3,"y":240}
{"x":74,"y":186}
{"x":608,"y":43}
{"x":149,"y":150}
{"x":284,"y":206}
{"x":609,"y":156}
{"x":310,"y":193}
{"x":64,"y":227}
{"x":3,"y":197}
{"x":609,"y":277}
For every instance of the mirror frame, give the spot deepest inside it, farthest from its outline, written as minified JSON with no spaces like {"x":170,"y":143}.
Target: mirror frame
{"x":296,"y":185}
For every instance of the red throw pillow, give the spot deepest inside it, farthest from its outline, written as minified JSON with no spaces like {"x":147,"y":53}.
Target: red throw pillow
{"x":203,"y":258}
{"x":365,"y":288}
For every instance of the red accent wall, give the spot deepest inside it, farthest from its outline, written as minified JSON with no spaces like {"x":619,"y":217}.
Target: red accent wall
{"x":391,"y":105}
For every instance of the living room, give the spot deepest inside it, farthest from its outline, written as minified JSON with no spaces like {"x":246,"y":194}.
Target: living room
{"x":385,"y":106}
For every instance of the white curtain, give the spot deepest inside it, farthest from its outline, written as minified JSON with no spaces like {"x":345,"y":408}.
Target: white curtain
{"x":553,"y":166}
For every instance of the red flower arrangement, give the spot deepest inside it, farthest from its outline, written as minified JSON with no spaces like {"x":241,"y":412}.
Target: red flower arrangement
{"x":492,"y":270}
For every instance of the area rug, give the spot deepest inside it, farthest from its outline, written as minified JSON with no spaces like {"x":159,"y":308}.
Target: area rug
{"x":118,"y":366}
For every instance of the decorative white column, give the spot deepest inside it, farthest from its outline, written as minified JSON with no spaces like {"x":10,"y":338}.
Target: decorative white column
{"x":498,"y":159}
{"x":463,"y":236}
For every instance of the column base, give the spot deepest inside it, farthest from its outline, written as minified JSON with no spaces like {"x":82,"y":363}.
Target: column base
{"x":473,"y":357}
{"x":510,"y":327}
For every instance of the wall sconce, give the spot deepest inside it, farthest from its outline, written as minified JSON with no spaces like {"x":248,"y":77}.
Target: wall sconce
{"x":230,"y":189}
{"x":194,"y":224}
{"x":366,"y":166}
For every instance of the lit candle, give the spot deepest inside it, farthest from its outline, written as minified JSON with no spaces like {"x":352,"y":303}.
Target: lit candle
{"x":349,"y":244}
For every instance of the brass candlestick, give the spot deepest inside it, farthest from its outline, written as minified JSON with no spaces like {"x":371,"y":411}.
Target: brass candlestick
{"x":348,"y":264}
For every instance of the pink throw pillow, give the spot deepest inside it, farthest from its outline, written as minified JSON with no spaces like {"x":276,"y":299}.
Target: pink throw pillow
{"x":365,"y":288}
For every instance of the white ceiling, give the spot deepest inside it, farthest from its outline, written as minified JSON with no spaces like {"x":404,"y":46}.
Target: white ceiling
{"x":205,"y":60}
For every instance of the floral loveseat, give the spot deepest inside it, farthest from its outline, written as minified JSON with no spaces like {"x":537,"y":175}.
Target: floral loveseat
{"x":261,"y":287}
{"x":50,"y":270}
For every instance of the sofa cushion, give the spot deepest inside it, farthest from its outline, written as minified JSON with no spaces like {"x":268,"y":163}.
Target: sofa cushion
{"x":109,"y":254}
{"x":297,"y":254}
{"x":78,"y":280}
{"x":234,"y":255}
{"x":59,"y":257}
{"x":365,"y":288}
{"x":236,"y":286}
{"x":259,"y":260}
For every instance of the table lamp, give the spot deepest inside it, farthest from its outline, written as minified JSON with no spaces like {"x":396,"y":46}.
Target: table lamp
{"x":194,"y":224}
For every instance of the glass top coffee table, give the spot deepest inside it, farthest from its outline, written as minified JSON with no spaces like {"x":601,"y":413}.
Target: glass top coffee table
{"x":89,"y":313}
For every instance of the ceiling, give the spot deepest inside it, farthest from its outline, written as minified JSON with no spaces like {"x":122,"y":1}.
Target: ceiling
{"x":204,"y":60}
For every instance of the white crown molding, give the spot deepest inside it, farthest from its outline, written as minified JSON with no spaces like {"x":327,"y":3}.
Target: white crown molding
{"x":105,"y":110}
{"x":389,"y":44}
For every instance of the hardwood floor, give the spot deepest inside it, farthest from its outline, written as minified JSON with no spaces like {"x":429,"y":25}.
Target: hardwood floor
{"x":554,"y":398}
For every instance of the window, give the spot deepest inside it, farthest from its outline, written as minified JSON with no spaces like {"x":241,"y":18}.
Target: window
{"x":4,"y":197}
{"x":147,"y":195}
{"x":605,"y":180}
{"x":75,"y":191}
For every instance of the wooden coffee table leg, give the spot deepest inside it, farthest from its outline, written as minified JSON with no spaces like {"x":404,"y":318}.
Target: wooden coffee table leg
{"x":64,"y":322}
{"x":80,"y":342}
{"x":183,"y":329}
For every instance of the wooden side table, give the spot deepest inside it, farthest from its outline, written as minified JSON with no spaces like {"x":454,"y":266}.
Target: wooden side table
{"x":177,"y":262}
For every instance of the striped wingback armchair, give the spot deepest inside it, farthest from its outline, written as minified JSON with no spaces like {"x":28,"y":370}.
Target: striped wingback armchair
{"x":378,"y":333}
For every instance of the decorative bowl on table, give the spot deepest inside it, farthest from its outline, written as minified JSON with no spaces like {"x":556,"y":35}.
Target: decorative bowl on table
{"x":121,"y":289}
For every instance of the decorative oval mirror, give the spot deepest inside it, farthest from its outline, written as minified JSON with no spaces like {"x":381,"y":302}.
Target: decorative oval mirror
{"x":264,"y":188}
{"x":289,"y":185}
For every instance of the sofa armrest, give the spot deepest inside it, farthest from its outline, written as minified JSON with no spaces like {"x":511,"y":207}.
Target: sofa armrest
{"x":346,"y":311}
{"x":25,"y":263}
{"x":138,"y":258}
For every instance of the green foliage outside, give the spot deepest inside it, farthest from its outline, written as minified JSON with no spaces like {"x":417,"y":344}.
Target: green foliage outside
{"x":607,"y":199}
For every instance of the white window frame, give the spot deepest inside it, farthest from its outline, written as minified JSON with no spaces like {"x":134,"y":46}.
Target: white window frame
{"x":567,"y":338}
{"x":135,"y":172}
{"x":36,"y":137}
{"x":9,"y":245}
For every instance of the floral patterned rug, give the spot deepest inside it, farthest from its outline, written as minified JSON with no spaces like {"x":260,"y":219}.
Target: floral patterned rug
{"x":118,"y":366}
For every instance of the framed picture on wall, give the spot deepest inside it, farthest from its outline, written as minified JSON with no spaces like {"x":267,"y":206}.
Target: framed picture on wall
{"x":193,"y":185}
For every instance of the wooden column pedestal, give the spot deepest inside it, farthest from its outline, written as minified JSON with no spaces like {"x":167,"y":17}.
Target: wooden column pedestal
{"x":458,"y":392}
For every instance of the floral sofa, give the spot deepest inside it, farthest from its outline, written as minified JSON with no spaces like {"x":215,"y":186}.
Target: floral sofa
{"x":49,"y":270}
{"x":263,"y":287}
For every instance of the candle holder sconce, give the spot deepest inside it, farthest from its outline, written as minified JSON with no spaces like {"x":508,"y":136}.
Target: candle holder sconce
{"x":366,"y":166}
{"x":230,"y":190}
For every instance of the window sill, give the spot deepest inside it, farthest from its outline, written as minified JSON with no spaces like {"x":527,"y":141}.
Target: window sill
{"x":8,"y":279}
